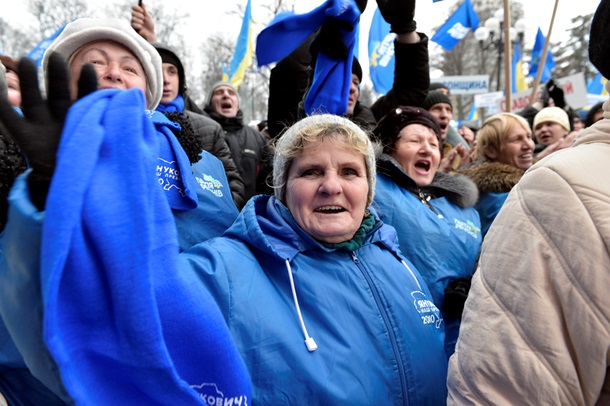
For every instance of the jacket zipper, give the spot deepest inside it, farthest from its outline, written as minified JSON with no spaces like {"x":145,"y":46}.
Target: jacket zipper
{"x":425,"y":199}
{"x":401,"y":371}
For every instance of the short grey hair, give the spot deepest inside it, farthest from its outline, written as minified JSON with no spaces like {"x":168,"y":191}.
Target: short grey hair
{"x":290,"y":145}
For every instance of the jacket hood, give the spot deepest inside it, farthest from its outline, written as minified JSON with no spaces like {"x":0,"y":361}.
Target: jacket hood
{"x":458,"y":189}
{"x":493,"y":177}
{"x":267,"y":225}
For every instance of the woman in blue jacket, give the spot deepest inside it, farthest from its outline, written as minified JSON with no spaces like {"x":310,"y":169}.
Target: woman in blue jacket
{"x":321,"y":304}
{"x":437,"y":225}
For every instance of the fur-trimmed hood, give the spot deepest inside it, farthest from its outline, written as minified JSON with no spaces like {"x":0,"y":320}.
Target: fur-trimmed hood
{"x":458,"y":189}
{"x":493,"y":177}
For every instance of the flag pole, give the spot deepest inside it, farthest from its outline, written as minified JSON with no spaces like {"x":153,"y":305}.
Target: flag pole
{"x":507,"y":57}
{"x":542,"y":61}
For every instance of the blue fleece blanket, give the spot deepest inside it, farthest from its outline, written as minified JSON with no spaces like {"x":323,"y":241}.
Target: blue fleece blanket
{"x":329,"y":90}
{"x":124,"y":325}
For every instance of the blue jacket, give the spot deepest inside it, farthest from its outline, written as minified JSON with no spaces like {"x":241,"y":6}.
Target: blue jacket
{"x":442,"y":237}
{"x":379,"y":338}
{"x":90,"y":292}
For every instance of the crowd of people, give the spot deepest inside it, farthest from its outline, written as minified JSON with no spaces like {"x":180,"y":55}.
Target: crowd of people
{"x":153,"y":251}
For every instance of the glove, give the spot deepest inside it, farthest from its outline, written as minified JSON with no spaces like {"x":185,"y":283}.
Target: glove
{"x":555,"y":92}
{"x":456,"y":294}
{"x":399,"y":14}
{"x":330,"y":41}
{"x":39,"y":130}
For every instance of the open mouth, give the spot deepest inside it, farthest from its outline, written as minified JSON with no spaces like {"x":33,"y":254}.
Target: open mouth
{"x":423,"y":165}
{"x":329,"y":209}
{"x":226,"y":105}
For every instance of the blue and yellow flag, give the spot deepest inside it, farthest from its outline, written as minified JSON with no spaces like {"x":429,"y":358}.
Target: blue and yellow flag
{"x":38,"y":51}
{"x":242,"y":58}
{"x":457,"y":26}
{"x":597,"y":85}
{"x":537,"y":56}
{"x":519,"y":82}
{"x":381,"y":54}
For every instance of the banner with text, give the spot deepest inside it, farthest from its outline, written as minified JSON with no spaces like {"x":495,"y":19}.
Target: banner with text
{"x":472,"y":84}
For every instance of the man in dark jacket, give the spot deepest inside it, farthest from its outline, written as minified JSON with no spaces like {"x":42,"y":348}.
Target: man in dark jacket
{"x":248,"y":146}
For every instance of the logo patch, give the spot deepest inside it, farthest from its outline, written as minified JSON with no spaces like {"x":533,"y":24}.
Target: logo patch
{"x":426,"y":308}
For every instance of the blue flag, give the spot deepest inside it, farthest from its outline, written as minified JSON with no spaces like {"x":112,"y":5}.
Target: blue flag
{"x":244,"y":50}
{"x":519,"y":83}
{"x":597,"y":85}
{"x":537,"y":56}
{"x":381,"y":54}
{"x":457,"y":26}
{"x":38,"y":51}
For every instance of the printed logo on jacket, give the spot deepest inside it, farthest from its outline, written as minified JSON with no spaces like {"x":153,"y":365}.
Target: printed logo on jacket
{"x":212,"y":396}
{"x":426,"y":308}
{"x":468,"y":227}
{"x":210,"y":184}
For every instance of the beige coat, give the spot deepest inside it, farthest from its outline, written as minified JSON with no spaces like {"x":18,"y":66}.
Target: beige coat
{"x":536,"y":327}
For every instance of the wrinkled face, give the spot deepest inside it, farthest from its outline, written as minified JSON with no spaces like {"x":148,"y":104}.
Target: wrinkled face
{"x":327,"y":189}
{"x":443,"y":114}
{"x":354,"y":92}
{"x":549,"y":132}
{"x":225,"y":101}
{"x":116,"y":67}
{"x":517,"y":149}
{"x":14,"y":91}
{"x":171,"y":82}
{"x":417,"y":150}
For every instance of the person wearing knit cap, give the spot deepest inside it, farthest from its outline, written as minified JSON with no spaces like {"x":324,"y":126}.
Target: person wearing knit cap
{"x":174,"y":104}
{"x":103,"y":168}
{"x":455,"y":148}
{"x":441,"y":87}
{"x":552,"y":131}
{"x":433,"y":212}
{"x":248,"y":146}
{"x":535,"y":326}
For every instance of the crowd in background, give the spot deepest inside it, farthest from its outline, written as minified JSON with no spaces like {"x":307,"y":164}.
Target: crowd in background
{"x":157,"y":251}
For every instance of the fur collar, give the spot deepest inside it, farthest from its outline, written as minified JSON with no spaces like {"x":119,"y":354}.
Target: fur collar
{"x":493,"y":177}
{"x":457,"y":189}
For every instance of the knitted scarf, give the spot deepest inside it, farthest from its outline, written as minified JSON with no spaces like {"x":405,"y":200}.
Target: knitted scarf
{"x":123,"y":323}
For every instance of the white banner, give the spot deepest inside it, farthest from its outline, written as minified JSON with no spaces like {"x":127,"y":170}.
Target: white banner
{"x":473,"y":84}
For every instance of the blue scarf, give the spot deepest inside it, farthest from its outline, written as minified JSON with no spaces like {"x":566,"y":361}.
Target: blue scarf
{"x":176,"y":105}
{"x":329,"y":90}
{"x":122,"y":322}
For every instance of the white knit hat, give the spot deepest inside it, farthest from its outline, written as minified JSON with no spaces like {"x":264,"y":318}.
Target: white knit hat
{"x":554,"y":115}
{"x":287,"y":143}
{"x":84,"y":31}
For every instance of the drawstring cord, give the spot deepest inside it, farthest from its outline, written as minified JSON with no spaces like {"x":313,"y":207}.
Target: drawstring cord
{"x":309,"y":341}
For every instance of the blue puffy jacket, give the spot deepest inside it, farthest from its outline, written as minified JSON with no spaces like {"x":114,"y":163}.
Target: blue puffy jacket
{"x":437,"y":227}
{"x":379,"y":337}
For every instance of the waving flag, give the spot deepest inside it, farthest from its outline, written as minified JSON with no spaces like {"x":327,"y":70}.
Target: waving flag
{"x":519,"y":83}
{"x":457,"y":26}
{"x":537,"y":56}
{"x":38,"y":51}
{"x":242,"y":58}
{"x":381,"y":54}
{"x":597,"y":85}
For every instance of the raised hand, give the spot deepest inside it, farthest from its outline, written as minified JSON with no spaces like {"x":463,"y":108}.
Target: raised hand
{"x":399,"y":14}
{"x":143,"y":23}
{"x":39,"y":130}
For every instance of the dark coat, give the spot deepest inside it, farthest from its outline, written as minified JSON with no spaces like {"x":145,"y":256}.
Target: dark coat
{"x":248,"y":149}
{"x":214,"y":142}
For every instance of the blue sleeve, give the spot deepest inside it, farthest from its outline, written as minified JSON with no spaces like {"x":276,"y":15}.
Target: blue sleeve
{"x":20,"y":292}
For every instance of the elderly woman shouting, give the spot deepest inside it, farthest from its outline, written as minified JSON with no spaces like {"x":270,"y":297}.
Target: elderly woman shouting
{"x":322,"y":306}
{"x":505,"y":150}
{"x":437,"y":225}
